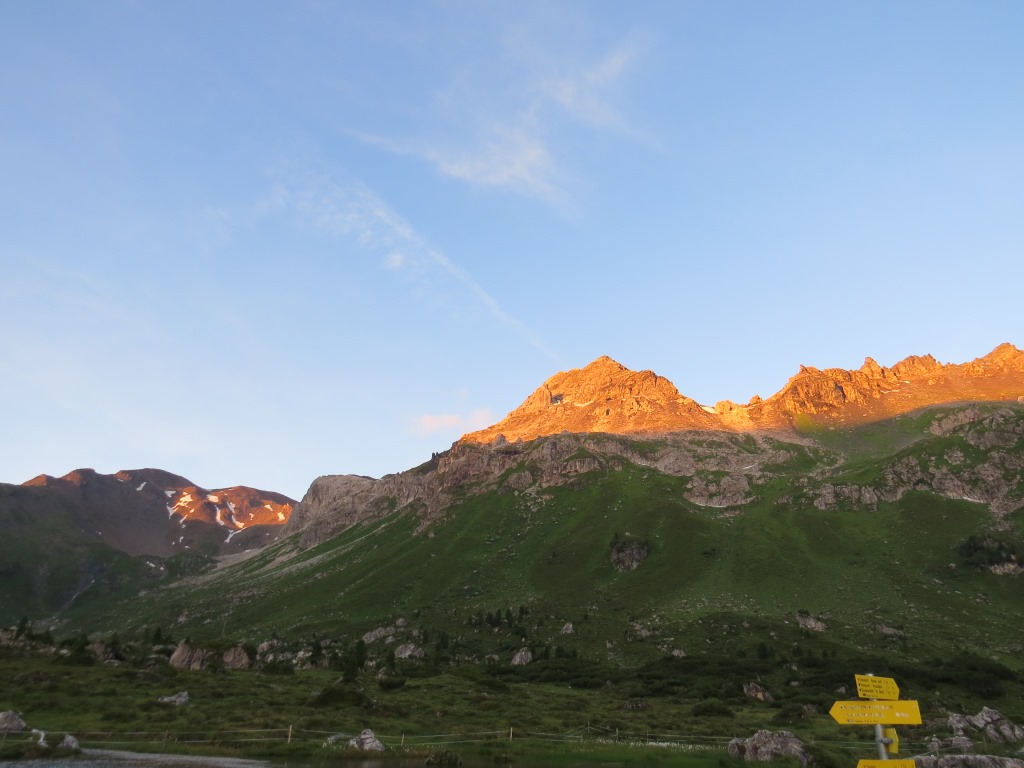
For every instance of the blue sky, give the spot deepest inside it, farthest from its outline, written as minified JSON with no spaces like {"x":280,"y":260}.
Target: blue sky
{"x":254,"y":243}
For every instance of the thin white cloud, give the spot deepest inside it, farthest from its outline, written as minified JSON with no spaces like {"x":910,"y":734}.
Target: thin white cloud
{"x":502,"y":155}
{"x":504,"y":134}
{"x":584,"y":92}
{"x":429,"y":424}
{"x":352,"y":209}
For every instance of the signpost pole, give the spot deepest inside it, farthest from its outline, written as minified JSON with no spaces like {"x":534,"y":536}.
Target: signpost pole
{"x":883,"y":753}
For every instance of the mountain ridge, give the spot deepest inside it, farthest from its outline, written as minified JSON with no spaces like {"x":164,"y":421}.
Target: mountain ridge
{"x":155,"y":503}
{"x":605,"y":396}
{"x":61,"y":536}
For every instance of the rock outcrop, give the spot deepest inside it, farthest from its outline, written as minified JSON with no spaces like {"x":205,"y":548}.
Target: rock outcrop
{"x":989,"y":724}
{"x":766,"y":746}
{"x":334,"y":503}
{"x":408,"y":651}
{"x":586,"y":420}
{"x":187,"y":657}
{"x":604,"y":396}
{"x":601,"y":397}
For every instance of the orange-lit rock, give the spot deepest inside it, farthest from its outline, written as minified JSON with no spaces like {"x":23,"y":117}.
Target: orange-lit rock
{"x":607,"y":397}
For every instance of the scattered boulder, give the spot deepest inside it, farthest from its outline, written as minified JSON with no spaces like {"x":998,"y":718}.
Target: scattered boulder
{"x":11,"y":721}
{"x":186,"y":657}
{"x":179,"y":699}
{"x":378,"y":634}
{"x":567,"y":628}
{"x":757,"y":691}
{"x":806,"y":621}
{"x":766,"y":746}
{"x":103,"y":652}
{"x":69,"y":742}
{"x":41,"y":736}
{"x":236,"y":658}
{"x":408,"y":651}
{"x":629,"y":555}
{"x":522,"y":657}
{"x":367,"y":742}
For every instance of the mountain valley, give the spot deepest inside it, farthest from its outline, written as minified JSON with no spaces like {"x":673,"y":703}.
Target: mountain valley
{"x":608,"y":531}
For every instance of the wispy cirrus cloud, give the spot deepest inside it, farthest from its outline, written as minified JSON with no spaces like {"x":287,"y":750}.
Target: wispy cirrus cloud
{"x":513,"y":156}
{"x":349,"y":208}
{"x":585,"y":92}
{"x":504,"y":131}
{"x":429,"y":423}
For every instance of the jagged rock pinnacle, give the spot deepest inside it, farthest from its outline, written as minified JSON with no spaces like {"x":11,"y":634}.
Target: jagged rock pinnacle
{"x":605,"y":396}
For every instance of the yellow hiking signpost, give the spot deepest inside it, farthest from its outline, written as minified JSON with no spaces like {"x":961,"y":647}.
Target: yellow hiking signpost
{"x":876,"y":713}
{"x":882,"y":708}
{"x":885,"y":764}
{"x":871,"y":687}
{"x":892,"y":741}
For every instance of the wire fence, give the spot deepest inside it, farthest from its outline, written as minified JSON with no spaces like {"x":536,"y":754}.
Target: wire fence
{"x":583,"y":735}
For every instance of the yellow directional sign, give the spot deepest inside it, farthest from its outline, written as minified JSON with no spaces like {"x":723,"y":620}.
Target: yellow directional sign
{"x":885,"y":764}
{"x":876,"y":713}
{"x":892,"y":747}
{"x":871,"y":687}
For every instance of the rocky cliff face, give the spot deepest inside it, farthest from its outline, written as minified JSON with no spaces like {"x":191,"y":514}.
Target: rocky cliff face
{"x":990,"y":476}
{"x":602,"y":397}
{"x":587,"y":420}
{"x":607,"y":397}
{"x":722,"y":468}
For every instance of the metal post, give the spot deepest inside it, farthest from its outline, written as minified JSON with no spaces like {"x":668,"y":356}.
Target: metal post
{"x":883,"y":753}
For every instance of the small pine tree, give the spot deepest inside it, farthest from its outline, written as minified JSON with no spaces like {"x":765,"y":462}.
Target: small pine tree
{"x":360,"y":653}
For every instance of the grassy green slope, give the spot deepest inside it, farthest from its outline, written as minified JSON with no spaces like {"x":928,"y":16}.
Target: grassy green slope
{"x":889,"y":575}
{"x":46,"y":562}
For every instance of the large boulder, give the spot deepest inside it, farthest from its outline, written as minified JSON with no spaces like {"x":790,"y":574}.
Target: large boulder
{"x":69,"y":742}
{"x":11,"y":721}
{"x":236,"y":658}
{"x":757,"y":691}
{"x":766,"y":746}
{"x":366,"y":741}
{"x":186,"y":657}
{"x":522,"y":657}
